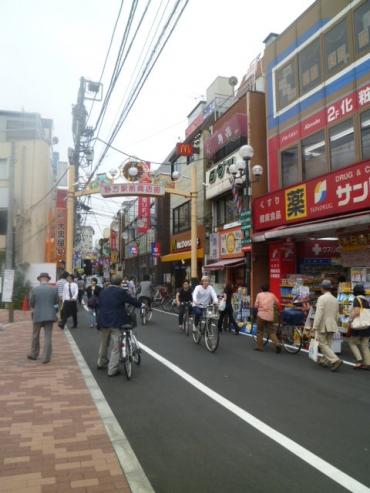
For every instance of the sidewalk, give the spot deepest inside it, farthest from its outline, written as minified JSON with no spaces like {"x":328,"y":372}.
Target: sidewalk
{"x":52,"y":438}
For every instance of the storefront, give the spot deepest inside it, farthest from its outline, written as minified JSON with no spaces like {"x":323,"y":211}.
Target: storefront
{"x":179,"y":257}
{"x":228,"y":261}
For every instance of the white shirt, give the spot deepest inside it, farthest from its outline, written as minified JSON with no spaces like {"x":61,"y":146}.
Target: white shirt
{"x":203,"y":297}
{"x":74,"y":290}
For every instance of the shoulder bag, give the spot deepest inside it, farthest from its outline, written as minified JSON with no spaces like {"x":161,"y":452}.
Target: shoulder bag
{"x":361,"y":322}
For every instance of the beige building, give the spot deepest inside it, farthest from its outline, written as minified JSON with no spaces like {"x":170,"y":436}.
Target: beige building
{"x":33,"y":179}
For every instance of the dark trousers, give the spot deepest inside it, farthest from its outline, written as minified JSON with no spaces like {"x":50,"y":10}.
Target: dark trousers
{"x":80,"y":295}
{"x":182,"y":309}
{"x":229,"y":311}
{"x":69,"y":310}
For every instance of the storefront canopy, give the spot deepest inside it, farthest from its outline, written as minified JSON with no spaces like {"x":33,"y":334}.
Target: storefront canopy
{"x":174,"y":257}
{"x":232,"y":262}
{"x":314,"y":227}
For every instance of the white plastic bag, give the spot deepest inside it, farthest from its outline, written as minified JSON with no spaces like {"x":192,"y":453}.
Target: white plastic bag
{"x":222,"y":305}
{"x":313,"y":350}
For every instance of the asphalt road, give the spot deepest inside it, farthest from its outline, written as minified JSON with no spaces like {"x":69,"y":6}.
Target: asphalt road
{"x":188,"y":439}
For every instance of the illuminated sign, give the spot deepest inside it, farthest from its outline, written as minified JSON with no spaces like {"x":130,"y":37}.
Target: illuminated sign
{"x":183,"y":149}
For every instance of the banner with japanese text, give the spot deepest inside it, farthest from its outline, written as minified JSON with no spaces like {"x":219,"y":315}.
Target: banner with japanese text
{"x":344,"y":191}
{"x":144,"y":203}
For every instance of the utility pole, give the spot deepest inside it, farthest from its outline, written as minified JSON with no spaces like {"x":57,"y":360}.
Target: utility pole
{"x":9,"y":254}
{"x":194,"y":235}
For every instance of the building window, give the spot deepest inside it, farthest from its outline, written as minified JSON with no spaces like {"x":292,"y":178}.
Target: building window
{"x":309,"y":66}
{"x":313,"y":156}
{"x":181,"y":218}
{"x":362,"y":28}
{"x":342,"y":145}
{"x":365,"y":134}
{"x":336,"y":47}
{"x":290,"y":172}
{"x":286,"y":84}
{"x":3,"y":169}
{"x":226,"y":210}
{"x":24,"y":129}
{"x":3,"y":222}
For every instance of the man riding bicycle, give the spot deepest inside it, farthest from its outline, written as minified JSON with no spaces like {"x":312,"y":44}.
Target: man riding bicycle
{"x":184,"y":295}
{"x":203,"y":295}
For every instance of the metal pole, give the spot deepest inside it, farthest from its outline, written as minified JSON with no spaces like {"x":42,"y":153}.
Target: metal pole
{"x":70,"y":217}
{"x":9,"y":257}
{"x":194,"y":203}
{"x":248,"y":208}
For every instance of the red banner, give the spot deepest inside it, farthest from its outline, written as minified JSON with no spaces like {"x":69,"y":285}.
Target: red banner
{"x":144,"y":203}
{"x":282,"y":260}
{"x":347,"y":190}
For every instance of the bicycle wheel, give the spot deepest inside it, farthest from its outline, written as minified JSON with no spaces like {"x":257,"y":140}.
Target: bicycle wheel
{"x":136,"y":351}
{"x":186,"y":322}
{"x":211,"y":336}
{"x":143,"y":316}
{"x":127,"y":362}
{"x":197,"y":332}
{"x":291,"y":338}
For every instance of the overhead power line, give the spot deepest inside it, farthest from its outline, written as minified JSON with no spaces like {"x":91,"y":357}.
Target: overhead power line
{"x":167,"y":30}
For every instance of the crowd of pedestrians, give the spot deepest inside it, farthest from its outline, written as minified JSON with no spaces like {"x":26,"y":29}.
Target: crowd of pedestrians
{"x":107,"y":307}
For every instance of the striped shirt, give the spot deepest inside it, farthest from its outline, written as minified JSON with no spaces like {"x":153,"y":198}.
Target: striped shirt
{"x":60,"y":286}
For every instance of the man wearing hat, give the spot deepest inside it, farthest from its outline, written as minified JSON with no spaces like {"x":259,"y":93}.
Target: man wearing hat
{"x":325,"y":325}
{"x":44,"y":303}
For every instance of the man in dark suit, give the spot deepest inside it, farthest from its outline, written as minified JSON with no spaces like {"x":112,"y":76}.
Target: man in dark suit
{"x":112,"y":315}
{"x":44,"y":303}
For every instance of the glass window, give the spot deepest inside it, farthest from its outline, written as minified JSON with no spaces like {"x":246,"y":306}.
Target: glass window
{"x":365,"y":134}
{"x":286,"y":84}
{"x":313,"y":156}
{"x":3,"y":169}
{"x":362,"y":28}
{"x":290,"y":167}
{"x":342,"y":145}
{"x":226,"y":210}
{"x":336,"y":47}
{"x":3,"y":222}
{"x":309,"y":66}
{"x":181,"y":218}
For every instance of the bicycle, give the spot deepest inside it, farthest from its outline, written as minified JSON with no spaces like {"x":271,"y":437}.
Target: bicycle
{"x":207,"y":328}
{"x":145,"y":313}
{"x":129,"y":350}
{"x":187,"y":318}
{"x":290,"y":336}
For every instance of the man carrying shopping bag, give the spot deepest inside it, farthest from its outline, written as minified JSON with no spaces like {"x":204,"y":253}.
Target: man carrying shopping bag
{"x":325,"y":326}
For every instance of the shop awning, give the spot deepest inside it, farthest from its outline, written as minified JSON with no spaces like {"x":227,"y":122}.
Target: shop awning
{"x":174,"y":257}
{"x":313,"y":227}
{"x":232,"y":262}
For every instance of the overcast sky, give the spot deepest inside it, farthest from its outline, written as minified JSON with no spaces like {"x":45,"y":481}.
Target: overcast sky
{"x":47,"y":45}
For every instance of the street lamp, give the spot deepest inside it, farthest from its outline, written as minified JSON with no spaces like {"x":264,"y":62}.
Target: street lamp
{"x":240,"y":178}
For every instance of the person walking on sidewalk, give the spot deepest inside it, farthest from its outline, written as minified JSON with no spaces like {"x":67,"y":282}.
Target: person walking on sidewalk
{"x":112,"y":315}
{"x":266,"y":305}
{"x":93,"y":291}
{"x":359,"y":339}
{"x":60,"y":285}
{"x":44,"y":304}
{"x":70,"y":295}
{"x":325,"y":325}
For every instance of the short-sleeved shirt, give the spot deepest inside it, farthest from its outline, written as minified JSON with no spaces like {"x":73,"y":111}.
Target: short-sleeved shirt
{"x":185,"y":296}
{"x":357,"y":304}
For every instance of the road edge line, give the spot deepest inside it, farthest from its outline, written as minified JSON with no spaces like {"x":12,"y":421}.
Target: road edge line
{"x":130,"y":465}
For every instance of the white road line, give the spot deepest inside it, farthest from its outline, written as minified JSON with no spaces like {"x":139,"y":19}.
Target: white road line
{"x":310,"y":458}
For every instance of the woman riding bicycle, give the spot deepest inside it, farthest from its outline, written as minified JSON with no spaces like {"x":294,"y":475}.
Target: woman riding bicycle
{"x":145,"y":291}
